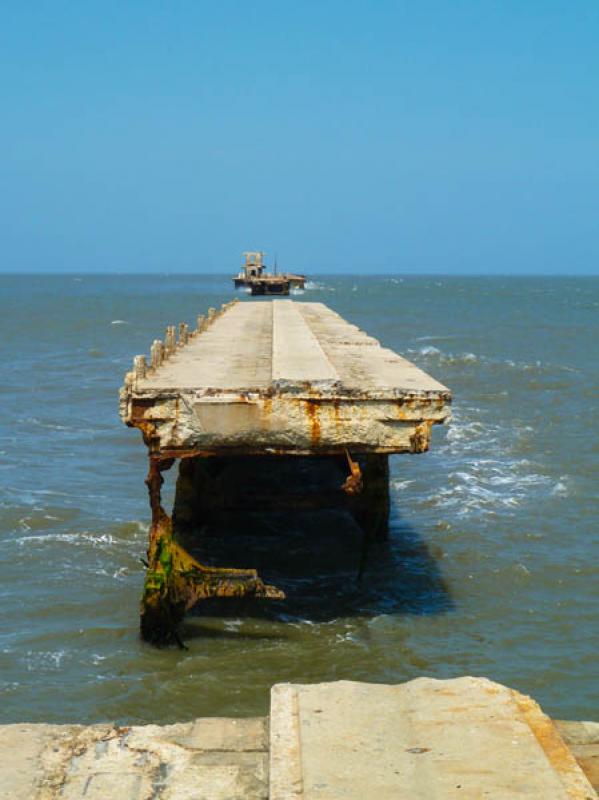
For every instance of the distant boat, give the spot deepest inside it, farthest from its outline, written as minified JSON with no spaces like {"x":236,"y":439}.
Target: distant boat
{"x":253,"y":276}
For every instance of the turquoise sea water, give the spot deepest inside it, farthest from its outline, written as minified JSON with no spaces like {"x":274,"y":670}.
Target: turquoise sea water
{"x":492,"y":565}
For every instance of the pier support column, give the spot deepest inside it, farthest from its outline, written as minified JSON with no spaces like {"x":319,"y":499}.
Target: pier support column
{"x":370,"y":507}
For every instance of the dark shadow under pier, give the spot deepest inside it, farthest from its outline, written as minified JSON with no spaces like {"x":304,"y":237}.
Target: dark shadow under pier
{"x":287,"y":518}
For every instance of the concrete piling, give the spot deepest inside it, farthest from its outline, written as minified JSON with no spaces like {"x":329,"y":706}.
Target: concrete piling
{"x":140,"y":366}
{"x":156,"y":353}
{"x":170,"y":341}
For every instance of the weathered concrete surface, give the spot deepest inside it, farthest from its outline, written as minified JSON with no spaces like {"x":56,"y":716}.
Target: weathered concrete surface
{"x":208,"y":759}
{"x":423,"y":740}
{"x":466,"y":738}
{"x":281,"y":377}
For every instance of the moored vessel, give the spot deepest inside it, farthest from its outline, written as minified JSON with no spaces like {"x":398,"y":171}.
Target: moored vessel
{"x":254,"y":276}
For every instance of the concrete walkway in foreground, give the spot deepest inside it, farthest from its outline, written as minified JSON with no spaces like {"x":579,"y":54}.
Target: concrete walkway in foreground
{"x":464,"y":738}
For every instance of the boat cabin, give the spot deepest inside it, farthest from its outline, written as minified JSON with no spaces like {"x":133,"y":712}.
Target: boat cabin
{"x":254,"y":264}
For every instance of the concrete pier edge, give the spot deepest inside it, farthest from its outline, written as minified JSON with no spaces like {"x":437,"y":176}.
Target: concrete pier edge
{"x":424,"y":739}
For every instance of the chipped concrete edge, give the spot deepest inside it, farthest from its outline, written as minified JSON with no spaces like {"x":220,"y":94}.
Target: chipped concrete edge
{"x":285,"y":773}
{"x":559,"y":755}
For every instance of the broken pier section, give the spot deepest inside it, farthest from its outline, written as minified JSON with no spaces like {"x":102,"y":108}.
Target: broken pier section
{"x":266,"y":379}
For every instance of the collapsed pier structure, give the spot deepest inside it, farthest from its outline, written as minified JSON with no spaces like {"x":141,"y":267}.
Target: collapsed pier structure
{"x":265,"y":379}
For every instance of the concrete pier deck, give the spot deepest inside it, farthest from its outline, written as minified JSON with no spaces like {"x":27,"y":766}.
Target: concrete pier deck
{"x":280,"y":377}
{"x":466,"y":738}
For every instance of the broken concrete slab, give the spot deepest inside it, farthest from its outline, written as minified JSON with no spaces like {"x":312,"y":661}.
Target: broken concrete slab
{"x":207,"y":759}
{"x":426,"y":739}
{"x":22,"y":748}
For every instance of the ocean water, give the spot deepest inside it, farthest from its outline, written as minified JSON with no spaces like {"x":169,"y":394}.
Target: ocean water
{"x":491,"y":568}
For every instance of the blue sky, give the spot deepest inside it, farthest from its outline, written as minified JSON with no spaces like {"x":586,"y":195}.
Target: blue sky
{"x":446,"y":137}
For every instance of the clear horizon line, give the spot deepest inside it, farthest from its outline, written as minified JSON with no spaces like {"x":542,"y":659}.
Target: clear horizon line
{"x":100,"y":273}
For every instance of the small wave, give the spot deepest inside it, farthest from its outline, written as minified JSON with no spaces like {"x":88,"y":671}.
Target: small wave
{"x":451,"y":359}
{"x":120,"y":573}
{"x":232,"y":625}
{"x":50,"y":492}
{"x":401,"y":484}
{"x":40,"y":423}
{"x":349,"y":636}
{"x":539,"y":367}
{"x":465,"y":500}
{"x":315,"y":285}
{"x":461,"y":358}
{"x":142,"y":527}
{"x":120,"y":322}
{"x":455,"y":359}
{"x":77,"y":539}
{"x":459,"y":432}
{"x":435,"y":338}
{"x":44,"y":660}
{"x":489,"y":485}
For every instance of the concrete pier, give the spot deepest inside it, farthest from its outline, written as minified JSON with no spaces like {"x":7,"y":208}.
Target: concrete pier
{"x":282,"y":377}
{"x":423,"y":740}
{"x":266,"y":379}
